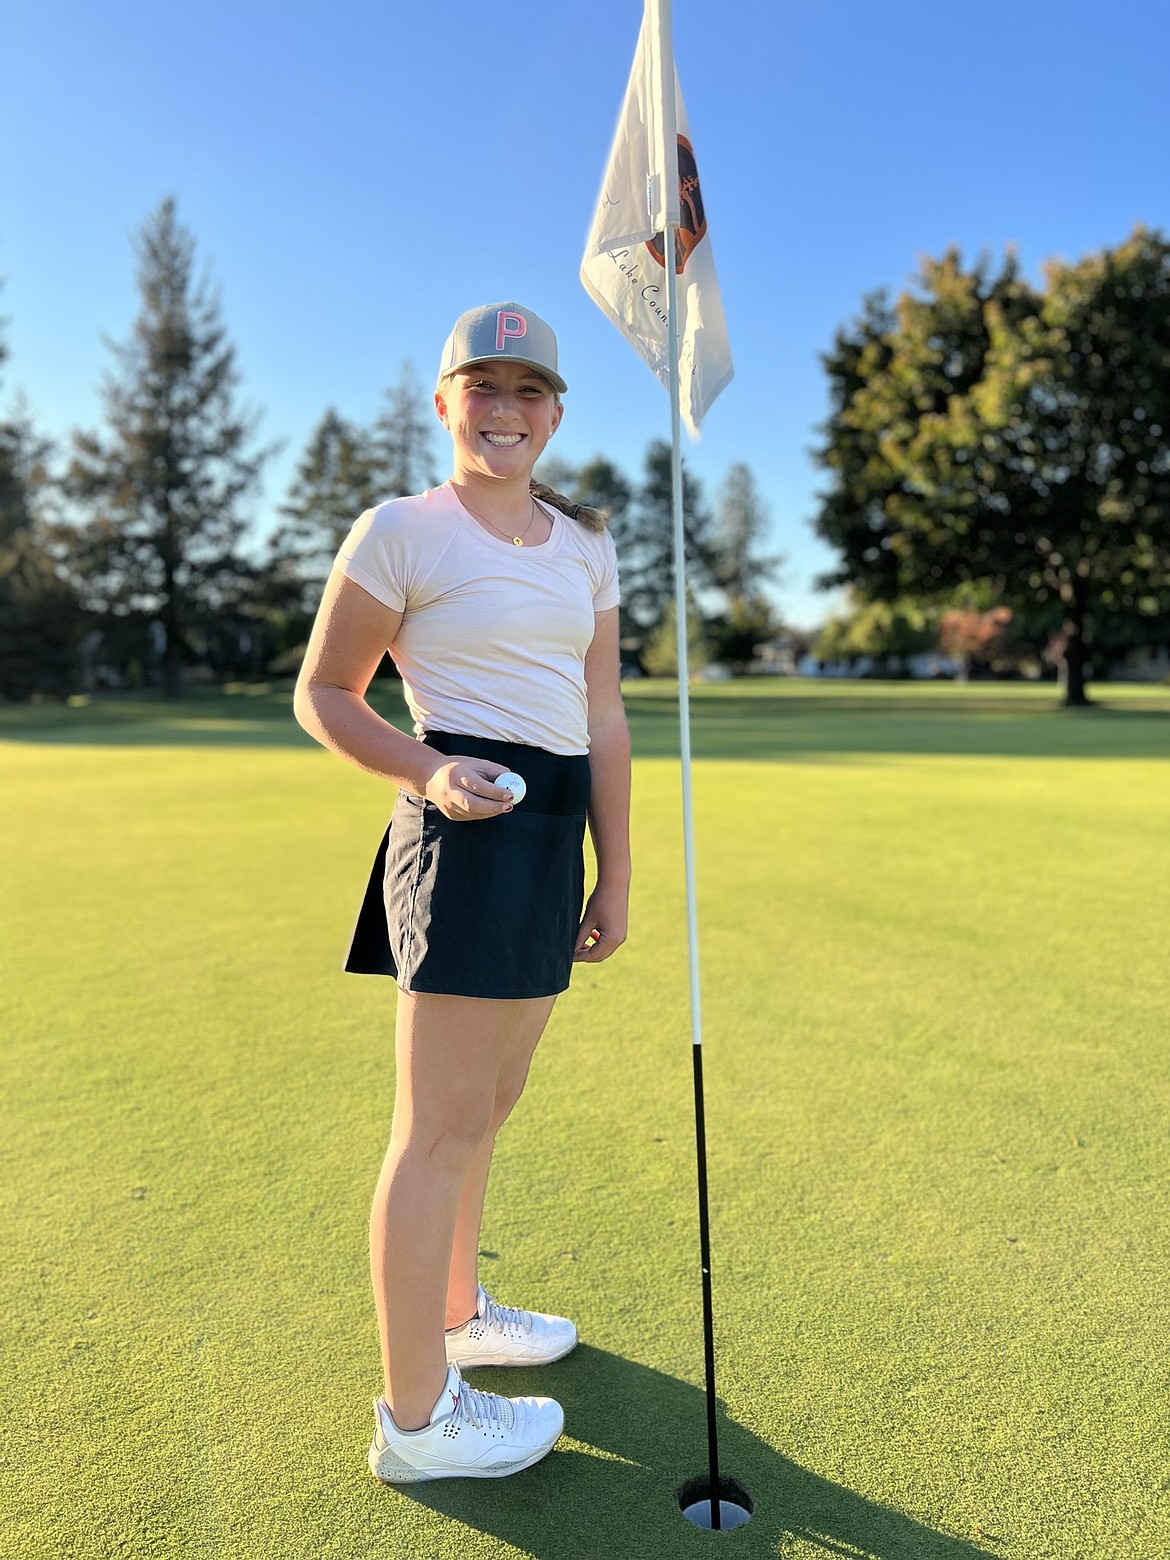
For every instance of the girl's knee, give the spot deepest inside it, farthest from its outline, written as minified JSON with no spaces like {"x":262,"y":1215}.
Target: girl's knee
{"x":508,"y":1091}
{"x":448,"y":1133}
{"x":452,"y":1151}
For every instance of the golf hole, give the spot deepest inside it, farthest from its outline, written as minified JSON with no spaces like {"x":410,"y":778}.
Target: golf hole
{"x":735,"y":1504}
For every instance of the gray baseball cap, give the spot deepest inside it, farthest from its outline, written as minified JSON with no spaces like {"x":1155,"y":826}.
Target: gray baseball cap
{"x":502,"y":330}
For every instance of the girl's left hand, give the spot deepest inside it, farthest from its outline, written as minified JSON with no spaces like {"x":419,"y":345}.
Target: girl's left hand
{"x":603,"y":926}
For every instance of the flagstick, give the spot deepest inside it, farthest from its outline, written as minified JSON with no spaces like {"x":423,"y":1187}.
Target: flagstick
{"x":684,"y":722}
{"x":670,"y":199}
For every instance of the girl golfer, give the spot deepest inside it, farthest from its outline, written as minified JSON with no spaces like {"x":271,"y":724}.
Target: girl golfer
{"x":498,"y":603}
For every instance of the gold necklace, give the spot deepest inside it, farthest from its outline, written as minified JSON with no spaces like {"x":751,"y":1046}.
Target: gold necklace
{"x":516,"y":541}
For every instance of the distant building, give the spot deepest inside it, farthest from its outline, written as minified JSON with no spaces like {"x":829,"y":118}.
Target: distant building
{"x":927,"y":666}
{"x":774,"y":657}
{"x":1143,"y":665}
{"x":931,"y":665}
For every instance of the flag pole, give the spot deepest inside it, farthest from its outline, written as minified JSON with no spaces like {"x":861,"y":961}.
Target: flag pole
{"x":669,"y":204}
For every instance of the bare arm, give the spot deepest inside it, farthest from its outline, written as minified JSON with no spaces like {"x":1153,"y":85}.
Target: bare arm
{"x":350,"y":635}
{"x":604,"y":925}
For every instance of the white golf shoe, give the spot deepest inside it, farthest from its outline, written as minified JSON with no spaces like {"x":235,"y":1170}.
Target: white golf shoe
{"x":470,"y":1435}
{"x":502,"y":1335}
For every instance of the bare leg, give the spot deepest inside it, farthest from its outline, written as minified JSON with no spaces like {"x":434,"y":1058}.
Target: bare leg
{"x":529,"y":1025}
{"x":463,"y":1280}
{"x":450,"y":1054}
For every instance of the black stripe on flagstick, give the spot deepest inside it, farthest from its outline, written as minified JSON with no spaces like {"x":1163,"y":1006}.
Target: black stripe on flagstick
{"x":705,"y":1259}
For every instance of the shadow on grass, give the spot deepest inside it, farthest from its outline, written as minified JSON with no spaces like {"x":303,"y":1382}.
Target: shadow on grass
{"x":643,"y":1435}
{"x":143,"y":720}
{"x":795,"y":722}
{"x":758,"y":720}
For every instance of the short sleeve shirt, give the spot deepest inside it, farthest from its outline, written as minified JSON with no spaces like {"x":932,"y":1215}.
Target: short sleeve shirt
{"x":493,"y":636}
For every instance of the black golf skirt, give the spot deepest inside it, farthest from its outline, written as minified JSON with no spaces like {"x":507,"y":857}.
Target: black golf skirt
{"x":489,"y":907}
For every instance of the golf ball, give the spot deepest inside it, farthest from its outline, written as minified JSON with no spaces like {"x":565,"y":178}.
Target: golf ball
{"x":514,"y":783}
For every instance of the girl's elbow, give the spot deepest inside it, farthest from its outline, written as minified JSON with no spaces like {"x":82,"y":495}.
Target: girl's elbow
{"x":609,"y":728}
{"x":304,"y":709}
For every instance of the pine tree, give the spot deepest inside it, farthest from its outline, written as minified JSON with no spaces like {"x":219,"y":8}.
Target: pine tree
{"x":646,"y":542}
{"x":334,"y":483}
{"x":741,"y":524}
{"x":602,"y":486}
{"x":40,"y":617}
{"x":741,"y":571}
{"x":164,"y":485}
{"x":401,"y":443}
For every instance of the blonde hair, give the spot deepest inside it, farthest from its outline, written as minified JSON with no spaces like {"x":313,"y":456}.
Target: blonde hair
{"x":591,"y":519}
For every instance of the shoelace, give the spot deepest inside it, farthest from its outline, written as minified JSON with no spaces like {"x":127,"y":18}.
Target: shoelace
{"x":479,"y":1407}
{"x":502,"y":1317}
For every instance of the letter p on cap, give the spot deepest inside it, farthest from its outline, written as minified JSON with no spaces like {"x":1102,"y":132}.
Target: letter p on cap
{"x":509,"y":325}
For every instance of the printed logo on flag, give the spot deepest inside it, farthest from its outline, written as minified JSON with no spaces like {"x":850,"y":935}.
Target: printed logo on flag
{"x":694,"y":221}
{"x":628,"y":284}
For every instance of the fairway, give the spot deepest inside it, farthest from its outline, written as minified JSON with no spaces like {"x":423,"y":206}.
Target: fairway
{"x":934,"y":924}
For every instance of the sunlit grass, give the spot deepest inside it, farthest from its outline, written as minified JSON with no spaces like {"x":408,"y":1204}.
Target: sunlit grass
{"x":935,"y":991}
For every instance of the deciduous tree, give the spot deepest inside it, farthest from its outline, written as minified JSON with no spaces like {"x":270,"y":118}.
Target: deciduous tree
{"x":965,"y":634}
{"x":660,"y":656}
{"x":986,"y":432}
{"x":888,"y":632}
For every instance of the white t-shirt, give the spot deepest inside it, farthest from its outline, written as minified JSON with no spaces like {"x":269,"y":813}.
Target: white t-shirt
{"x":493,"y":636}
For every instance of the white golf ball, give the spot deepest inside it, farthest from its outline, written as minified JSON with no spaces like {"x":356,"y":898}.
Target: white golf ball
{"x":514,"y":783}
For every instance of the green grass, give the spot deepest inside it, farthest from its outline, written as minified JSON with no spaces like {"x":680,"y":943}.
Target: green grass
{"x":936,"y":997}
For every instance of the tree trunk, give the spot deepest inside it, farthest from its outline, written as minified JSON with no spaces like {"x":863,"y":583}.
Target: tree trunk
{"x":1072,"y":662}
{"x":172,"y":679}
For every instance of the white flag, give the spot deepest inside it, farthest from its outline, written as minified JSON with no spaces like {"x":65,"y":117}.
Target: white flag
{"x":622,"y":268}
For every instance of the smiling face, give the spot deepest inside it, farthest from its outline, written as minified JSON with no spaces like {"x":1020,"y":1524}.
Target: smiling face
{"x":500,"y":416}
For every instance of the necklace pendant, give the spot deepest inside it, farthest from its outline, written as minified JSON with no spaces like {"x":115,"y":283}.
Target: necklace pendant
{"x":516,"y":542}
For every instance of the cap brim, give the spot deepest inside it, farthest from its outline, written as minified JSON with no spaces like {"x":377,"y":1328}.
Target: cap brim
{"x":514,"y":357}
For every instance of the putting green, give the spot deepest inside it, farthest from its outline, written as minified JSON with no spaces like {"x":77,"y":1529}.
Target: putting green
{"x":934,"y":925}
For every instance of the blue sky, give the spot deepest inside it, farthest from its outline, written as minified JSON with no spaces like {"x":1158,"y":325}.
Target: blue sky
{"x":355,"y":175}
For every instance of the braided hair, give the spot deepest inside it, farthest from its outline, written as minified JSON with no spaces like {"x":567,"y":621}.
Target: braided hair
{"x":591,"y":519}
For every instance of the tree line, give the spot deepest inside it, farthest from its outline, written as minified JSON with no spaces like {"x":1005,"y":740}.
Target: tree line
{"x":123,"y":558}
{"x":998,"y":486}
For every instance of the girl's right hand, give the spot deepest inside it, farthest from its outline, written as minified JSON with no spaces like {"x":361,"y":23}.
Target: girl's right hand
{"x":462,"y":789}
